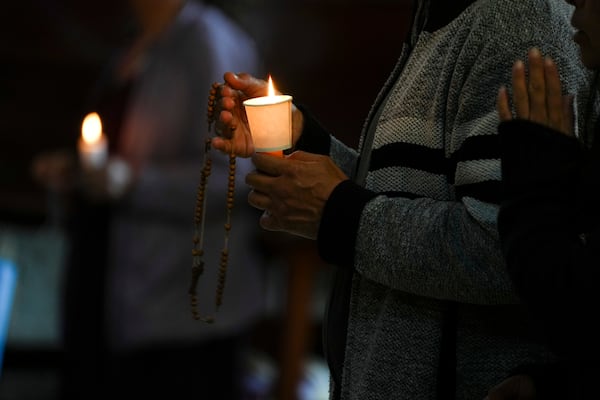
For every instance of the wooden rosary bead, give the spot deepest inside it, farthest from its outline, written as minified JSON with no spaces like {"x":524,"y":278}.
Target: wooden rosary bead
{"x":197,"y":252}
{"x":222,"y":277}
{"x":199,"y":212}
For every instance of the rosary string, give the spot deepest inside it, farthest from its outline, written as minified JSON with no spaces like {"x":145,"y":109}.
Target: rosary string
{"x":199,"y":214}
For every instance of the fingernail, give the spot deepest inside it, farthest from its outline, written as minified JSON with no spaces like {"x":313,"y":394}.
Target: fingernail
{"x":534,"y":51}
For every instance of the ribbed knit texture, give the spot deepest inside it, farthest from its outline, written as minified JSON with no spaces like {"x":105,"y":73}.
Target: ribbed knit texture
{"x":428,"y":243}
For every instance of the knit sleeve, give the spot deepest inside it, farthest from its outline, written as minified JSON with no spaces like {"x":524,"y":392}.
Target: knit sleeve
{"x":432,"y":229}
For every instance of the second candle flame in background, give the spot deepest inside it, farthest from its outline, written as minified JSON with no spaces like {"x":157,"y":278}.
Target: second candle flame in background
{"x":92,"y":146}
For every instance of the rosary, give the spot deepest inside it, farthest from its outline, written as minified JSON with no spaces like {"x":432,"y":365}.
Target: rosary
{"x":199,"y":213}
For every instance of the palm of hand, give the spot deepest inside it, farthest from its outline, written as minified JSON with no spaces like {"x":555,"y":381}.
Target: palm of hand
{"x":540,"y":99}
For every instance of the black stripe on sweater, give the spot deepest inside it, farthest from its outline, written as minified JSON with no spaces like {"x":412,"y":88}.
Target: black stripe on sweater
{"x":433,"y":160}
{"x":485,"y":147}
{"x":487,"y":191}
{"x":410,"y":156}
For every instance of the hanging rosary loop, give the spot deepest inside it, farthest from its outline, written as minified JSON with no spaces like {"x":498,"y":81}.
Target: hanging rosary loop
{"x":199,"y":218}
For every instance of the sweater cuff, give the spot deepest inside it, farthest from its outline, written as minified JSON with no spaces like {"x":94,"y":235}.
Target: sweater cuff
{"x":336,"y":239}
{"x":314,"y":138}
{"x":535,"y":154}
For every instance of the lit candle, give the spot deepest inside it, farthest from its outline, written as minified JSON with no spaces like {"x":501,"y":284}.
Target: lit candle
{"x":92,"y":146}
{"x":270,"y":121}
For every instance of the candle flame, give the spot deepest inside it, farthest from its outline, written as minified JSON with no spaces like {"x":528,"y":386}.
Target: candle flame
{"x":91,"y":129}
{"x":271,"y":88}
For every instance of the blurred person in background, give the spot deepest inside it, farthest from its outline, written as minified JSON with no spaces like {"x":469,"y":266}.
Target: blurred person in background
{"x":128,"y":328}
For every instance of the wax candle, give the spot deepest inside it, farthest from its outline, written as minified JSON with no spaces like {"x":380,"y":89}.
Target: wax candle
{"x":270,"y":121}
{"x":92,"y":146}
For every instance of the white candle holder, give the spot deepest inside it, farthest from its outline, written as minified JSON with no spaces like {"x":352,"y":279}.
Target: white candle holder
{"x":93,"y":156}
{"x":270,"y":121}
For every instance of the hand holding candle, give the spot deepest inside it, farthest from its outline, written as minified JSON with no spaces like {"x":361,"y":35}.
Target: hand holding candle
{"x":92,"y":146}
{"x":270,"y":122}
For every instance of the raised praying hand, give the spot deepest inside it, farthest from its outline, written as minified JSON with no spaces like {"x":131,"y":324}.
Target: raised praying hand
{"x":540,"y":99}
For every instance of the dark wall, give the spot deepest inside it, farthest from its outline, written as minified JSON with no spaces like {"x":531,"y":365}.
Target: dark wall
{"x":331,"y":55}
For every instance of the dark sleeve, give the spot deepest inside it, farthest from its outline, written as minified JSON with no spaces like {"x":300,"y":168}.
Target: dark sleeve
{"x":315,"y":138}
{"x":340,"y":221}
{"x":550,"y":380}
{"x":536,"y":221}
{"x":552,"y":260}
{"x":567,"y":379}
{"x":537,"y":159}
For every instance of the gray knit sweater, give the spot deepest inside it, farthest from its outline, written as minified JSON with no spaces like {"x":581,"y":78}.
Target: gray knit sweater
{"x":431,"y":301}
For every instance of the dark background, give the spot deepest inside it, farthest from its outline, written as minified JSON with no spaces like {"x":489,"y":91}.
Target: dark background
{"x":332,"y":55}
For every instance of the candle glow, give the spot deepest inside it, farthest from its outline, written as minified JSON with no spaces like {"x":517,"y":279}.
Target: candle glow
{"x":91,"y":129}
{"x":92,"y":146}
{"x":270,"y":121}
{"x":271,"y":90}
